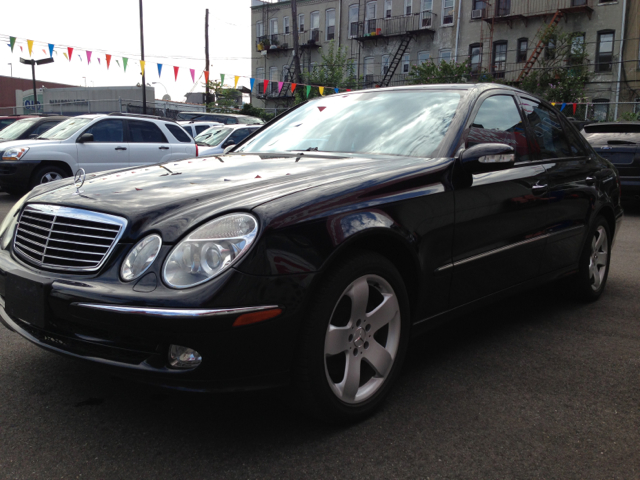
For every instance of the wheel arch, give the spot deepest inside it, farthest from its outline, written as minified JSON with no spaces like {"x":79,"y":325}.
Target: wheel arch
{"x":51,"y":163}
{"x":607,"y":212}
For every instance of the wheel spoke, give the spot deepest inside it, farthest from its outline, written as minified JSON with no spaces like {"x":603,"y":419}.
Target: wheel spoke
{"x":359,"y":295}
{"x":596,"y":278}
{"x":383,"y":313}
{"x":336,"y":340}
{"x":602,"y":259}
{"x":378,"y":358}
{"x":349,"y":386}
{"x":601,"y":238}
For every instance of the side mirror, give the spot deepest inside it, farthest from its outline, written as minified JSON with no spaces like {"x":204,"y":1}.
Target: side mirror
{"x":228,"y":148}
{"x":85,"y":137}
{"x":487,"y":157}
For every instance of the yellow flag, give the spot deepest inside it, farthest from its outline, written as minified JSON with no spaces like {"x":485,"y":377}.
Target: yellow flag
{"x":235,"y":81}
{"x":321,"y":90}
{"x":65,"y":55}
{"x":30,"y":44}
{"x":142,"y":62}
{"x":553,"y":103}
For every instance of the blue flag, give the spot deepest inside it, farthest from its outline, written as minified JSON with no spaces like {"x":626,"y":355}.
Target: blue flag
{"x":159,"y":70}
{"x":51,"y":49}
{"x":251,"y":82}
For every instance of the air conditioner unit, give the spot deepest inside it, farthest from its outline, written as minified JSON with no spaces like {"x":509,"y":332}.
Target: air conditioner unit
{"x":478,"y":13}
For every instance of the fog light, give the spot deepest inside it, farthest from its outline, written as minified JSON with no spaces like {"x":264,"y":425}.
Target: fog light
{"x":183,"y":357}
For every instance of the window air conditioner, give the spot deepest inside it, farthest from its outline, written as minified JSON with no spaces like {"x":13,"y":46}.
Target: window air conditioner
{"x":478,"y":13}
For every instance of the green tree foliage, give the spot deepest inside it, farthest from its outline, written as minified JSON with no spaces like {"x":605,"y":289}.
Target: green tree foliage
{"x":562,"y":72}
{"x":226,"y":98}
{"x":443,"y":72}
{"x":256,"y":112}
{"x":336,"y":70}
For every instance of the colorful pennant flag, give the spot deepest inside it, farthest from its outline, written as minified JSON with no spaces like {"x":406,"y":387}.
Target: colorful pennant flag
{"x":175,"y":72}
{"x":51,"y":49}
{"x":12,"y":42}
{"x":118,"y":62}
{"x":251,"y":82}
{"x":44,"y":51}
{"x":337,"y":90}
{"x":30,"y":45}
{"x":159,"y":70}
{"x":89,"y":57}
{"x":293,"y":87}
{"x":321,"y":90}
{"x":280,"y":84}
{"x":108,"y":59}
{"x":21,"y":48}
{"x":99,"y":61}
{"x":235,"y":81}
{"x":222,"y":79}
{"x":193,"y":74}
{"x":70,"y":51}
{"x":206,"y":76}
{"x":142,"y":63}
{"x":80,"y":57}
{"x":65,"y":55}
{"x":265,"y":84}
{"x":124,"y":62}
{"x":574,"y":108}
{"x":553,"y":103}
{"x":563,"y":105}
{"x":308,"y":90}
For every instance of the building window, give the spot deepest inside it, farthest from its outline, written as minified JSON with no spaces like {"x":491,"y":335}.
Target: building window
{"x":406,"y":62}
{"x":260,"y":80}
{"x":479,"y":4}
{"x":368,"y":70}
{"x":354,"y":12}
{"x":523,"y":45}
{"x":273,"y":77}
{"x":385,"y":65}
{"x":475,"y":58}
{"x":447,"y":12}
{"x":370,"y":17}
{"x":503,"y":7}
{"x":577,"y":47}
{"x":604,"y":51}
{"x":550,"y":49}
{"x":260,"y":31}
{"x":636,"y":107}
{"x":273,"y":30}
{"x":426,"y":8}
{"x":301,"y":22}
{"x":445,"y":55}
{"x":285,"y":25}
{"x":607,"y":1}
{"x":423,"y":57}
{"x":499,"y":59}
{"x":408,"y":4}
{"x":578,"y":3}
{"x":387,"y":8}
{"x":330,"y":24}
{"x":315,"y":26}
{"x":601,"y":109}
{"x":286,"y":75}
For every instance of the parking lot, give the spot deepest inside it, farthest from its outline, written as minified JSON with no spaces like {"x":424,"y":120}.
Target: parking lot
{"x":537,"y":386}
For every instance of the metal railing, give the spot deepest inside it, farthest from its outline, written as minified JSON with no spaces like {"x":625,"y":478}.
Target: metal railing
{"x":390,"y":26}
{"x":527,"y":8}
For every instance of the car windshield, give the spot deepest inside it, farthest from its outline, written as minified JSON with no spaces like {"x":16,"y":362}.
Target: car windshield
{"x":5,"y":122}
{"x":64,"y":130}
{"x":16,"y":129}
{"x":410,"y":123}
{"x":214,"y":136}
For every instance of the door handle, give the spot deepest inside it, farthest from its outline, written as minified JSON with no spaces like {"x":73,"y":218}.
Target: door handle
{"x":537,"y":188}
{"x":121,"y":148}
{"x":590,"y":180}
{"x":163,"y":148}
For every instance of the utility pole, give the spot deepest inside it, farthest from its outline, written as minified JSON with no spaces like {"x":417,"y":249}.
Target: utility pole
{"x":144,"y":88}
{"x":296,"y":46}
{"x":33,"y":64}
{"x":206,"y":55}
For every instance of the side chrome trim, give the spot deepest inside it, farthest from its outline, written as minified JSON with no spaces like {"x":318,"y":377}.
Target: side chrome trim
{"x":174,"y":312}
{"x":506,"y":247}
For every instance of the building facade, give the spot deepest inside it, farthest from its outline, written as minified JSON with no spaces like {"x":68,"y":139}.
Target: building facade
{"x":384,"y":38}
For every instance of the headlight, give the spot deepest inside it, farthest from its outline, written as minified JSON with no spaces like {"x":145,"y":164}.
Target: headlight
{"x":15,"y":153}
{"x":140,"y":257}
{"x":210,"y":250}
{"x":10,"y":220}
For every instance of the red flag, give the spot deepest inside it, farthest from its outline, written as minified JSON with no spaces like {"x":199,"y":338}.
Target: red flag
{"x":108,"y":60}
{"x":70,"y":50}
{"x":293,"y":87}
{"x":175,"y":71}
{"x":266,"y":85}
{"x":206,"y":76}
{"x":574,"y":108}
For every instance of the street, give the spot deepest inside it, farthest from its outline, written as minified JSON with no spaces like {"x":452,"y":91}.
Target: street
{"x":537,"y":386}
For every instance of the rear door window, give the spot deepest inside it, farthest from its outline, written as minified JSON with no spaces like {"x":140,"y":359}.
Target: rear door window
{"x":201,"y":128}
{"x":550,"y":140}
{"x":178,"y":132}
{"x":107,"y":131}
{"x":145,"y":132}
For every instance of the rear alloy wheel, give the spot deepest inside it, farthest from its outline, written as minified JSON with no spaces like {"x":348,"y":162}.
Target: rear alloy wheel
{"x":354,"y":340}
{"x":47,"y":174}
{"x":594,"y":262}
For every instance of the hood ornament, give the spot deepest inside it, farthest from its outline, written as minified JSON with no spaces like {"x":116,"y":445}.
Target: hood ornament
{"x":78,"y":180}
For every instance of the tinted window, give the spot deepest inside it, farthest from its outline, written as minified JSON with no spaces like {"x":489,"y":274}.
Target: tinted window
{"x":216,"y":137}
{"x":549,"y":140}
{"x":201,"y":128}
{"x":145,"y":132}
{"x":498,"y":121}
{"x":178,"y":132}
{"x":613,"y":128}
{"x":5,"y":122}
{"x":239,"y":135}
{"x":107,"y":131}
{"x":14,"y":131}
{"x":43,"y":127}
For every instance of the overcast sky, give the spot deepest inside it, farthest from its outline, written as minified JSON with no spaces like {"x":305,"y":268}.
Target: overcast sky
{"x":173,"y":35}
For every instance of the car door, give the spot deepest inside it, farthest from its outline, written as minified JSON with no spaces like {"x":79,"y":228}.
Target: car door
{"x":500,"y":216}
{"x":147,"y":143}
{"x":571,"y":182}
{"x":108,"y":150}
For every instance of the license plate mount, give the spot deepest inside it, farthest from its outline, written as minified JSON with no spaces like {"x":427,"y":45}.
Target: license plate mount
{"x":26,"y":298}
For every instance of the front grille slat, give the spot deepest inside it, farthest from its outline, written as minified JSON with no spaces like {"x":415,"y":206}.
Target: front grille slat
{"x":68,"y":239}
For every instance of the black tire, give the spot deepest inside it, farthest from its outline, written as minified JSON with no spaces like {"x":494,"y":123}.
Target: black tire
{"x":317,"y":374}
{"x":591,"y":279}
{"x":46,"y":174}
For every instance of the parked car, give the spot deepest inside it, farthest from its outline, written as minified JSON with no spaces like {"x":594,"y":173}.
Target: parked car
{"x":94,"y":143}
{"x":620,"y":144}
{"x":5,"y":121}
{"x":29,"y":128}
{"x":310,"y":254}
{"x":214,"y":140}
{"x":225,"y":118}
{"x":195,"y":128}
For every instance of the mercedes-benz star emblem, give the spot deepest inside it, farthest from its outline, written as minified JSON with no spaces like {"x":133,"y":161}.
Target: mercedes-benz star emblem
{"x":78,"y":180}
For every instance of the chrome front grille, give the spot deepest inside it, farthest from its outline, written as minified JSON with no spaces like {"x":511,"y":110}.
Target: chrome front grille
{"x":63,"y":238}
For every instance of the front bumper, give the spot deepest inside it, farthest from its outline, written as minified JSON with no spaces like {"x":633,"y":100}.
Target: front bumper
{"x":16,"y":175}
{"x":106,"y":321}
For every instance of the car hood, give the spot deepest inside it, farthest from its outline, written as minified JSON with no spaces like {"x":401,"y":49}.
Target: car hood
{"x":173,"y":197}
{"x":6,"y":145}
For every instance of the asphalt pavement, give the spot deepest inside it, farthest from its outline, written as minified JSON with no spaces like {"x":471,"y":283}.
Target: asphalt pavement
{"x":535,"y":387}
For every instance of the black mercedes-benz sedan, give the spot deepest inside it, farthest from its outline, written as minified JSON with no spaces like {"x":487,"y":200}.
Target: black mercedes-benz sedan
{"x":311,"y":252}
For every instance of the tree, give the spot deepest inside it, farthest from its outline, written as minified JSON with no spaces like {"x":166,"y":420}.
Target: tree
{"x":562,"y":72}
{"x":226,"y":98}
{"x":337,"y":70}
{"x":445,"y":72}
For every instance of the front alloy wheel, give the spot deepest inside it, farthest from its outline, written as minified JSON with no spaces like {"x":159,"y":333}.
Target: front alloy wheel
{"x":598,"y":260}
{"x":588,"y":284}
